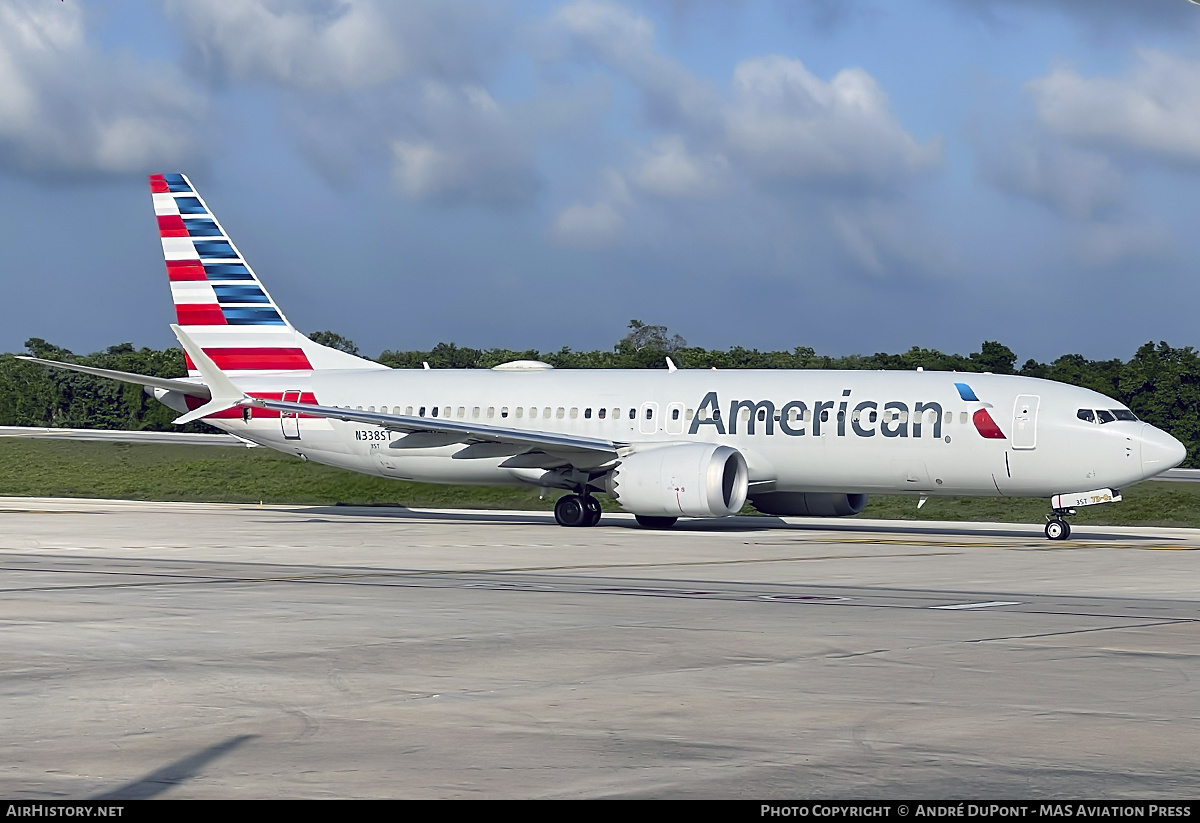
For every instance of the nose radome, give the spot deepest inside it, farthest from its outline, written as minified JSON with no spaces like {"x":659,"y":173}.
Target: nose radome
{"x":1160,"y":451}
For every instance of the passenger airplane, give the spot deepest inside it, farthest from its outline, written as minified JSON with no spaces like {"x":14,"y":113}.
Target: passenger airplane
{"x":664,"y":445}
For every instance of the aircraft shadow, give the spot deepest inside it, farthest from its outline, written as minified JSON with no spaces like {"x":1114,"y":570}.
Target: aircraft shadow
{"x":741,"y":524}
{"x":173,"y":774}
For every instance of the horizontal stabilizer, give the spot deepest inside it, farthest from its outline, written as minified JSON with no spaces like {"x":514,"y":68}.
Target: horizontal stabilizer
{"x":181,"y":386}
{"x":224,"y":394}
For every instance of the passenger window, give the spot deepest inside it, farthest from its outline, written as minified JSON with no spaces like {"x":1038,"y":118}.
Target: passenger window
{"x":841,"y":416}
{"x":574,"y":412}
{"x":532,"y":412}
{"x":462,"y":412}
{"x":560,"y":413}
{"x":949,"y":418}
{"x":824,"y":415}
{"x":600,"y":413}
{"x":408,"y":410}
{"x":546,"y":412}
{"x":689,"y":414}
{"x":873,"y":416}
{"x":962,"y":417}
{"x":422,"y":412}
{"x":491,"y":412}
{"x":744,"y":415}
{"x":674,"y":414}
{"x":446,"y":412}
{"x":520,"y":411}
{"x":1104,"y":416}
{"x":762,"y":415}
{"x":503,"y":411}
{"x":902,"y":416}
{"x":616,"y":414}
{"x":434,"y":411}
{"x":587,"y":414}
{"x":633,"y":414}
{"x":807,"y":415}
{"x":475,"y":412}
{"x":649,"y":413}
{"x":1086,"y":414}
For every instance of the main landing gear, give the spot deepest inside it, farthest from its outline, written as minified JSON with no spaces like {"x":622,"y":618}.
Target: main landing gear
{"x":577,"y":510}
{"x":1057,"y":527}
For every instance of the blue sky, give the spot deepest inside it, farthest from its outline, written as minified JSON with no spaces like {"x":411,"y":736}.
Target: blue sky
{"x":851,"y":175}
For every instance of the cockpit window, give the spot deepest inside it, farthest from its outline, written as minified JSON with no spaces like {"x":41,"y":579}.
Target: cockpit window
{"x":1105,"y":415}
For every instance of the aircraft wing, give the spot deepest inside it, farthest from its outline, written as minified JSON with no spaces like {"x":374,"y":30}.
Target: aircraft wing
{"x":470,"y":432}
{"x":182,"y":386}
{"x":124,"y":436}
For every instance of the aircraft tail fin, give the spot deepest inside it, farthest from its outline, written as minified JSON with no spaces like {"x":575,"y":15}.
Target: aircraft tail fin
{"x":218,"y":298}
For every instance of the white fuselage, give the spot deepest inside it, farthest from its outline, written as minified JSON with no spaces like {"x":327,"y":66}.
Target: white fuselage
{"x":820,"y":431}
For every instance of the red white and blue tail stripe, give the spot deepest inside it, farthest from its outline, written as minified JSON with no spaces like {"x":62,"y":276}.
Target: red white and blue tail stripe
{"x":218,"y":299}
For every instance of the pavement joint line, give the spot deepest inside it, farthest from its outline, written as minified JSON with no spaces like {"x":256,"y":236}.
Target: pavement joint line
{"x":1092,"y":630}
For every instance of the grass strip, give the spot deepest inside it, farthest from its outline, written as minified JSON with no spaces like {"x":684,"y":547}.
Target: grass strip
{"x":209,"y":474}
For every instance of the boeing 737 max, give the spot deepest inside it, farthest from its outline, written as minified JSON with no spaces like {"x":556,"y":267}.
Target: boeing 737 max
{"x":680,"y":443}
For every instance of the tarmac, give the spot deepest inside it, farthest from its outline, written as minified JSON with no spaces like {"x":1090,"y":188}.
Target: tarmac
{"x":217,"y":651}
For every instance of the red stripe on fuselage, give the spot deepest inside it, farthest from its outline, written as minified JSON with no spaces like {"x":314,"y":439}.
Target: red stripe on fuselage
{"x":185,"y":270}
{"x":192,"y":314}
{"x":171,"y":225}
{"x":258,"y":414}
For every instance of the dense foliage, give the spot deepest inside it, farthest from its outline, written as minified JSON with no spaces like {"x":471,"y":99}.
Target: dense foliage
{"x":1161,"y":384}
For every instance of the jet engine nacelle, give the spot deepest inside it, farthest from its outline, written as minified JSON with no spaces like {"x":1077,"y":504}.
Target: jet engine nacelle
{"x":692,"y":480}
{"x":809,"y":504}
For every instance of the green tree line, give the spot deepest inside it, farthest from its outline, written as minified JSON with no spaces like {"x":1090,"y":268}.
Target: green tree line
{"x":1160,"y":383}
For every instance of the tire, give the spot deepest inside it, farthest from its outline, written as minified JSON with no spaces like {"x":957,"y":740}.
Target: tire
{"x":593,"y":510}
{"x":648,"y":522}
{"x":1057,"y":530}
{"x":569,"y":510}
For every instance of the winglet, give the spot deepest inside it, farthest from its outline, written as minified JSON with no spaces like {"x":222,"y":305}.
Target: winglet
{"x":225,"y":395}
{"x":671,"y":365}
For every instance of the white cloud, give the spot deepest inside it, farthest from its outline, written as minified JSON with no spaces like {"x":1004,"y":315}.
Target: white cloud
{"x":463,"y":147}
{"x":778,"y":140}
{"x":68,"y":107}
{"x":1153,"y":111}
{"x":616,"y":37}
{"x":783,"y":122}
{"x":1106,"y":244}
{"x":340,"y":45}
{"x":1075,"y":182}
{"x":587,"y":226}
{"x":672,"y":171}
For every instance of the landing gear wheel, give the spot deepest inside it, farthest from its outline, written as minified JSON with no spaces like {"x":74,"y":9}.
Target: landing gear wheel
{"x":648,"y":522}
{"x":569,"y":510}
{"x":593,"y":510}
{"x":1057,"y":529}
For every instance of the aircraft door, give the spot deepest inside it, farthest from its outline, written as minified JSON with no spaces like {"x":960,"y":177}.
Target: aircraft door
{"x":1024,"y":428}
{"x":648,"y":418}
{"x":290,"y":421}
{"x":674,"y":420}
